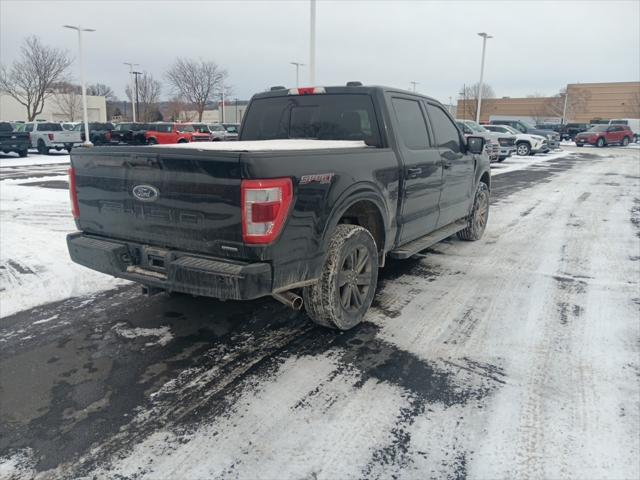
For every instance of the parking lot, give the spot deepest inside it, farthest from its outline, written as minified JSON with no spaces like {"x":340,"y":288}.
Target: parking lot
{"x":512,"y":357}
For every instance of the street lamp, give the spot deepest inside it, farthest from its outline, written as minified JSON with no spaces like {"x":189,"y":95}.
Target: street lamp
{"x":135,"y":74}
{"x":79,"y":29}
{"x":312,"y":44}
{"x":413,"y":85}
{"x":298,"y":65}
{"x":131,"y":81}
{"x":484,"y":45}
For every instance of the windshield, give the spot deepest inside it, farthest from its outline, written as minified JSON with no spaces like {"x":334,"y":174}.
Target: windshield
{"x":231,"y":128}
{"x":322,"y":117}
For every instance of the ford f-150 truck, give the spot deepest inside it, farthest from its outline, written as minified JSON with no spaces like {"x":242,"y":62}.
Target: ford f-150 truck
{"x":322,"y":185}
{"x":12,"y":141}
{"x":47,"y":135}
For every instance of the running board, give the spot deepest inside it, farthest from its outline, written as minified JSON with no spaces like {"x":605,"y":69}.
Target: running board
{"x":419,"y":244}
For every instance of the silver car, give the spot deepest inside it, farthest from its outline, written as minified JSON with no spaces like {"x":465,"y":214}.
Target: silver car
{"x":218,"y":132}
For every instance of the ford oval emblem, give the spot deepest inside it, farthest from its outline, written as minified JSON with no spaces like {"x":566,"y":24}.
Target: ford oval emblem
{"x":146,"y":193}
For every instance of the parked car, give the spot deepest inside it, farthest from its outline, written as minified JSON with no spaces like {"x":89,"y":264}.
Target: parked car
{"x":570,"y":130}
{"x":525,"y":144}
{"x":131,"y":133}
{"x":165,"y":133}
{"x":12,"y":141}
{"x":325,"y":184}
{"x":47,"y":135}
{"x":99,"y":132}
{"x":232,"y":130}
{"x":554,"y":127}
{"x":632,"y":123}
{"x":219,"y":133}
{"x":553,"y":138}
{"x":202,"y":128}
{"x":499,"y":145}
{"x":601,"y":135}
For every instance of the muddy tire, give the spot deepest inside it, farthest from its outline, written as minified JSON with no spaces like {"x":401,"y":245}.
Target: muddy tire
{"x":477,"y":220}
{"x":348,"y":281}
{"x":625,"y":141}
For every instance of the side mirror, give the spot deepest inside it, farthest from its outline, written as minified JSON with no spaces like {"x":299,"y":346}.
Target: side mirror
{"x":475,"y":145}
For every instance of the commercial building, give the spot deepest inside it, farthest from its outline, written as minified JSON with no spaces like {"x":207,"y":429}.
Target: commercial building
{"x":57,"y":108}
{"x":584,"y":102}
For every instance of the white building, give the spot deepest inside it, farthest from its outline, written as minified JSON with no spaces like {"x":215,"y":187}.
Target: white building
{"x":12,"y":110}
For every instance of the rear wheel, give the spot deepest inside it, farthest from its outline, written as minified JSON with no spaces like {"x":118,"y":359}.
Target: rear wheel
{"x":348,"y":281}
{"x":42,"y":148}
{"x":23,"y":153}
{"x":523,"y":149}
{"x":152,"y":141}
{"x":182,"y":140}
{"x":477,"y":220}
{"x":600,"y":143}
{"x":625,"y":141}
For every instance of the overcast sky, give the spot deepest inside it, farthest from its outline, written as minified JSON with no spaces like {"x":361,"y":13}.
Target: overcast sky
{"x":539,"y":46}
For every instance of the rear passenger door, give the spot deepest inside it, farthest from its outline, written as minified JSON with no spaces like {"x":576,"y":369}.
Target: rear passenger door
{"x":458,"y":167}
{"x":421,"y":176}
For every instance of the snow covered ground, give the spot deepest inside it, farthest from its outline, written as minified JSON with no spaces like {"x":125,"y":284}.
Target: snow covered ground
{"x":35,"y":267}
{"x":54,"y":158}
{"x":513,"y":357}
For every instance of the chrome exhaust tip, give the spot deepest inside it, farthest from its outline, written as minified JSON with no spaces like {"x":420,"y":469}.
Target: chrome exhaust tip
{"x":290,"y":299}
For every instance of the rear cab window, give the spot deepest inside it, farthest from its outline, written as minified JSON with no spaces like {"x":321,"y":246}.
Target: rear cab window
{"x":321,"y":116}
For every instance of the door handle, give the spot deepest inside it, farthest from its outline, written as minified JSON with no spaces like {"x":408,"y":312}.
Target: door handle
{"x":413,"y":172}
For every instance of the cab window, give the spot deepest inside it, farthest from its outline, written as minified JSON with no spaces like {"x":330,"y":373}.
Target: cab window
{"x":446,"y":133}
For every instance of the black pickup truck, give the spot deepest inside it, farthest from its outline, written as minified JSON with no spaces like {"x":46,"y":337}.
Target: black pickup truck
{"x":12,"y":141}
{"x":322,"y":186}
{"x":130,"y":133}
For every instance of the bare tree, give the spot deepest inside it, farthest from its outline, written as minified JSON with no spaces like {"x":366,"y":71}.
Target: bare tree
{"x":555,"y":106}
{"x":102,"y":90}
{"x":196,"y":81}
{"x":29,"y":80}
{"x":68,"y":99}
{"x":469,"y":96}
{"x":148,"y":96}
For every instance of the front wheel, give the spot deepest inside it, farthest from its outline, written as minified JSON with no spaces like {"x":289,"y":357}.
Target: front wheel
{"x":42,"y":148}
{"x":152,"y":141}
{"x":477,"y":220}
{"x":600,"y":143}
{"x":625,"y":141}
{"x":523,"y":149}
{"x":348,"y":281}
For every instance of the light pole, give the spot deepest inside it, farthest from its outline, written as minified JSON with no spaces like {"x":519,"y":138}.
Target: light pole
{"x":298,"y":65}
{"x":133,"y":107}
{"x":79,"y":29}
{"x":135,"y":74}
{"x":312,"y":45}
{"x":484,"y":45}
{"x":413,"y":85}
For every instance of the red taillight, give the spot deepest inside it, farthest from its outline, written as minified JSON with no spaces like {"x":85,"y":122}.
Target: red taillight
{"x":73,"y":194}
{"x":50,"y":135}
{"x":265,"y":206}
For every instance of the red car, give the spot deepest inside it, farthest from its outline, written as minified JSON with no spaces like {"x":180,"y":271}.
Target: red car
{"x":164,"y":133}
{"x":601,"y":135}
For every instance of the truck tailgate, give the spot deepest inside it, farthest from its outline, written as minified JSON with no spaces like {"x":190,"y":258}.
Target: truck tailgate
{"x":163,"y":197}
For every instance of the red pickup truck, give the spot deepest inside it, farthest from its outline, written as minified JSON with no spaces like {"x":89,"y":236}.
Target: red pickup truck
{"x":601,"y":135}
{"x":166,"y":133}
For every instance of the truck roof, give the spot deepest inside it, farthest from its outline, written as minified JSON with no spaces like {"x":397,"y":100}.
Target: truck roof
{"x":360,"y":89}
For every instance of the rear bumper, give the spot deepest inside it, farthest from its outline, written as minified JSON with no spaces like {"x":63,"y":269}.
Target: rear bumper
{"x":507,"y":151}
{"x":179,"y":271}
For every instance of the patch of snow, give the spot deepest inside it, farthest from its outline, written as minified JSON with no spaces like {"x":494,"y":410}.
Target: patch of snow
{"x":268,"y":145}
{"x":36,"y":268}
{"x":516,"y":162}
{"x":34,"y":159}
{"x":45,"y":320}
{"x":163,"y":334}
{"x":18,"y":466}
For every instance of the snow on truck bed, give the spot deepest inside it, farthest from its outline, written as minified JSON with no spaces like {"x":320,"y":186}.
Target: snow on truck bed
{"x":268,"y":145}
